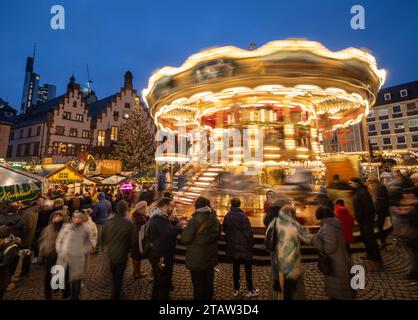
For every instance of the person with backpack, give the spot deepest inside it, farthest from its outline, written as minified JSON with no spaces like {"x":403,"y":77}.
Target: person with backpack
{"x":201,"y":239}
{"x":335,"y":262}
{"x":139,"y":219}
{"x":162,"y":236}
{"x":118,"y":238}
{"x":9,"y":258}
{"x":239,"y":247}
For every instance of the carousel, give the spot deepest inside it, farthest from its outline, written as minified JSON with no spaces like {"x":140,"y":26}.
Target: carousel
{"x":246,"y":121}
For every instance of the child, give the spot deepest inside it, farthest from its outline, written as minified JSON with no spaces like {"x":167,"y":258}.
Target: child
{"x":347,"y":222}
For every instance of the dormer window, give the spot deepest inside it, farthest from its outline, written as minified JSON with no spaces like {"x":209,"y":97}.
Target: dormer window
{"x":388,"y":96}
{"x":404,"y":93}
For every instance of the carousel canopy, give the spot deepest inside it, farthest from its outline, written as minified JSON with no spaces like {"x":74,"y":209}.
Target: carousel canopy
{"x":16,"y":185}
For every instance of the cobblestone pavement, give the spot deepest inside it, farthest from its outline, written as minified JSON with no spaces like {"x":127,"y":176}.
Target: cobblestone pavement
{"x":381,"y":283}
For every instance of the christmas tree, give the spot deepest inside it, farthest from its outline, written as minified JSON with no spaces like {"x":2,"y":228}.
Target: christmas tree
{"x":136,"y":144}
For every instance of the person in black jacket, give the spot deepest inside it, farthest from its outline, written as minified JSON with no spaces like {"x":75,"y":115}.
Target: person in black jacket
{"x":382,"y":209}
{"x":163,"y":234}
{"x":365,"y":213}
{"x":239,"y":246}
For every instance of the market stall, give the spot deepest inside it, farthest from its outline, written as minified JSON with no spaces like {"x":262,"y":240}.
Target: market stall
{"x":17,"y":185}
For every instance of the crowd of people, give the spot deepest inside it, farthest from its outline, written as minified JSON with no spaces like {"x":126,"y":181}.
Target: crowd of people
{"x":66,"y":231}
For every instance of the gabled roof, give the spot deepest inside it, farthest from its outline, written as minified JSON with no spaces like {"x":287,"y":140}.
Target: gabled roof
{"x":38,"y":114}
{"x":96,"y":108}
{"x":395,"y":91}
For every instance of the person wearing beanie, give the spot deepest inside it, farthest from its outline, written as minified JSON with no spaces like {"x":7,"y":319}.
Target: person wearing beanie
{"x":101,"y":211}
{"x":118,"y":238}
{"x":139,"y":218}
{"x":201,"y":239}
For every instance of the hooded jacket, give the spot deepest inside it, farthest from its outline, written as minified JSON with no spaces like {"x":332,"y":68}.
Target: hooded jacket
{"x":163,"y":235}
{"x":238,"y":235}
{"x":201,"y":239}
{"x":101,"y":209}
{"x":330,"y":241}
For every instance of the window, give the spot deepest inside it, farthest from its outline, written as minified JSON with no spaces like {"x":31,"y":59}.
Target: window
{"x":372,"y":127}
{"x":101,"y":138}
{"x":411,"y":106}
{"x":66,"y":115}
{"x":399,"y":125}
{"x":85,"y":134}
{"x":413,"y":123}
{"x":38,"y":130}
{"x":70,"y":149}
{"x":414,"y":138}
{"x":63,"y":175}
{"x":127,"y":105}
{"x":384,"y":126}
{"x":75,"y":104}
{"x":9,"y":151}
{"x":36,"y":148}
{"x":21,"y":133}
{"x":386,"y":140}
{"x":396,"y":109}
{"x":59,"y":130}
{"x":83,"y":148}
{"x":73,"y":132}
{"x":30,"y":132}
{"x":79,"y":117}
{"x":12,"y":135}
{"x":383,"y":112}
{"x":404,"y":93}
{"x":114,"y":133}
{"x":27,"y":149}
{"x":371,"y":114}
{"x":401,"y":139}
{"x":116,"y":115}
{"x":388,"y":96}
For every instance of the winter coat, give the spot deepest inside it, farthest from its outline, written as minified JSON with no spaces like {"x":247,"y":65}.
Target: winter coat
{"x":138,"y":220}
{"x":101,"y":211}
{"x":30,"y":217}
{"x":118,"y":237}
{"x":238,"y":235}
{"x":73,"y":245}
{"x":201,"y":239}
{"x":382,"y":201}
{"x":9,"y":258}
{"x":330,"y":242}
{"x":363,"y":206}
{"x":47,"y":241}
{"x":347,"y":222}
{"x":273,"y":211}
{"x":14,"y":223}
{"x":92,"y":229}
{"x":289,"y":235}
{"x":163,"y":235}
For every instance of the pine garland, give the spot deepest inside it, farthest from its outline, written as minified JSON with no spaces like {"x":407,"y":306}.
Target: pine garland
{"x":136,"y":144}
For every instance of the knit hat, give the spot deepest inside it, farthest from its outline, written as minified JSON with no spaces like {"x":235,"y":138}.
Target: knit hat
{"x":101,"y":196}
{"x":141,"y":205}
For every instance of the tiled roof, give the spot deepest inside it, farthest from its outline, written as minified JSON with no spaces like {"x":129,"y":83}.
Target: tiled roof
{"x":96,"y":108}
{"x":395,"y":91}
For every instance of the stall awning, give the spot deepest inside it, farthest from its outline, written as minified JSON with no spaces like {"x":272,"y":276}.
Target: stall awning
{"x":113,"y":180}
{"x":17,"y":185}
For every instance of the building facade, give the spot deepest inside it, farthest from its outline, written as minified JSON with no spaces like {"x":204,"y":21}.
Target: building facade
{"x":7,"y":117}
{"x":30,"y":86}
{"x":45,"y":93}
{"x":63,"y":127}
{"x":393,"y":122}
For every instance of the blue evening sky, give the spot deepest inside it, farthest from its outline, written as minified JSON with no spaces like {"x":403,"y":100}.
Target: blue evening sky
{"x":142,"y":36}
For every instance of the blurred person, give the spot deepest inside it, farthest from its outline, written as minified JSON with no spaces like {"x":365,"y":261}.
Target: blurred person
{"x":382,"y":204}
{"x":163,"y":235}
{"x":139,"y":218}
{"x":331,"y":245}
{"x":30,"y":217}
{"x":289,"y":236}
{"x":9,"y":258}
{"x":86,"y":202}
{"x":365,"y":214}
{"x":201,"y":239}
{"x":347,"y":222}
{"x":12,"y":221}
{"x":48,"y":252}
{"x":75,"y":203}
{"x":239,"y":246}
{"x":270,"y":195}
{"x":118,"y":238}
{"x":337,"y":183}
{"x":101,"y":211}
{"x":73,"y":245}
